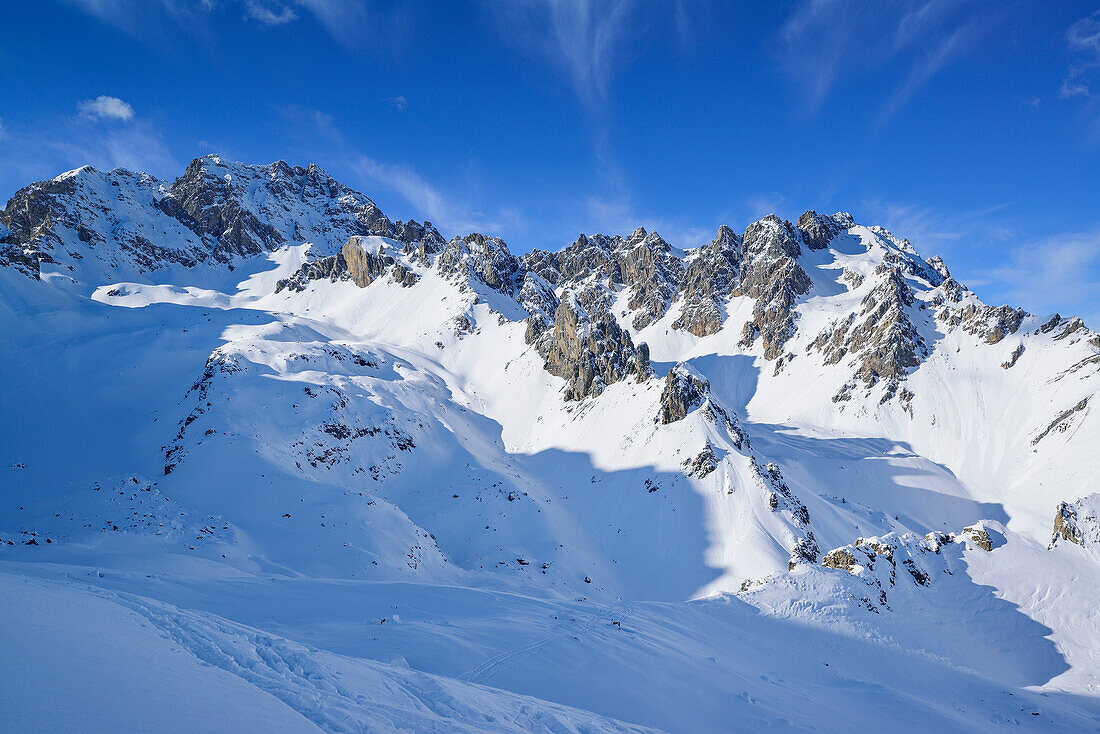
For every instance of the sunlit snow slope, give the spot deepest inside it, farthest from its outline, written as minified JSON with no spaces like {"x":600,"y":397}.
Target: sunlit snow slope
{"x":308,"y":468}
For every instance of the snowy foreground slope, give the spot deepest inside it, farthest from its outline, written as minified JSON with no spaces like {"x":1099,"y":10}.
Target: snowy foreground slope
{"x":271,"y":461}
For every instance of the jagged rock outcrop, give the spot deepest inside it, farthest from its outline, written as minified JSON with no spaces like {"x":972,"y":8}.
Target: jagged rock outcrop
{"x":486,"y":259}
{"x":771,"y":275}
{"x":215,"y":211}
{"x":642,"y":262}
{"x":883,"y":337}
{"x":702,"y":464}
{"x":708,"y":279}
{"x":588,"y":353}
{"x":1078,"y":522}
{"x":359,"y":261}
{"x":1014,"y":357}
{"x":652,"y":273}
{"x":365,"y":264}
{"x":990,"y":323}
{"x":877,"y":561}
{"x":682,"y":393}
{"x":1063,"y":420}
{"x":332,"y":268}
{"x":818,"y":231}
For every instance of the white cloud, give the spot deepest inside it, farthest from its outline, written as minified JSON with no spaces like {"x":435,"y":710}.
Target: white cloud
{"x":1059,"y":273}
{"x":105,"y":108}
{"x":824,"y":40}
{"x":587,"y":39}
{"x":270,"y":14}
{"x":399,"y":102}
{"x":1083,"y":37}
{"x":1073,"y":89}
{"x":346,"y":21}
{"x":3,"y":132}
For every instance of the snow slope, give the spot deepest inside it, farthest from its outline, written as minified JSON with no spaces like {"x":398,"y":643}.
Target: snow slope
{"x":350,"y":482}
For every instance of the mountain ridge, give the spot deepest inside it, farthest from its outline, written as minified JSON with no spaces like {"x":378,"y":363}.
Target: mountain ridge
{"x":265,"y":380}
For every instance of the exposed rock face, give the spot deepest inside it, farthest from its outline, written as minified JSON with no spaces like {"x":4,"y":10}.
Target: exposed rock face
{"x":589,"y":354}
{"x":1078,"y":523}
{"x":486,"y":259}
{"x":877,"y":561}
{"x":652,"y":274}
{"x":770,"y":273}
{"x":422,"y":241}
{"x":683,"y":393}
{"x":978,"y":536}
{"x":702,"y":464}
{"x":990,"y":323}
{"x":331,"y":268}
{"x":1015,"y":357}
{"x":708,"y":279}
{"x":1063,"y":420}
{"x":642,"y":262}
{"x":215,"y":211}
{"x":884,"y":338}
{"x":363,"y":265}
{"x":818,"y":231}
{"x":359,"y":260}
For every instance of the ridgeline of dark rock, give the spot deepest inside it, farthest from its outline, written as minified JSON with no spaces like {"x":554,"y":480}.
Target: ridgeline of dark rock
{"x":104,"y":227}
{"x":214,"y":212}
{"x":771,"y":275}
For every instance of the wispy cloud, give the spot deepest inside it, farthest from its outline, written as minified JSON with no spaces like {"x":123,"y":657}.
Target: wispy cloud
{"x":450,"y":212}
{"x":346,"y":21}
{"x":589,"y":41}
{"x":399,"y":102}
{"x":105,"y":108}
{"x":270,"y":14}
{"x":1083,"y":38}
{"x":423,"y":196}
{"x":582,"y":37}
{"x":824,"y":40}
{"x":1059,"y":273}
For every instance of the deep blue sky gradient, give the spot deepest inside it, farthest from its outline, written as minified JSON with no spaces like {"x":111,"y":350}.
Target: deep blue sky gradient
{"x":972,"y":128}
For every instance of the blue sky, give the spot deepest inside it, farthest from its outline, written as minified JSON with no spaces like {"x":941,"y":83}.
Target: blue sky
{"x":970,"y":127}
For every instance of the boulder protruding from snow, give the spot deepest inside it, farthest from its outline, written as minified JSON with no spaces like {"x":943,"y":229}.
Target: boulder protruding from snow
{"x":1078,"y":522}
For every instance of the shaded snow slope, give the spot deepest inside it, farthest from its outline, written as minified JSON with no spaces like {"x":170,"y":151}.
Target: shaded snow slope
{"x":635,"y":483}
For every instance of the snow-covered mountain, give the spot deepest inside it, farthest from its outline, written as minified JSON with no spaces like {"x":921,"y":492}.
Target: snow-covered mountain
{"x":798,"y":477}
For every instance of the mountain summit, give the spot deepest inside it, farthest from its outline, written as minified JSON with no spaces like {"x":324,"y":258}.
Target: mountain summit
{"x":562,"y":488}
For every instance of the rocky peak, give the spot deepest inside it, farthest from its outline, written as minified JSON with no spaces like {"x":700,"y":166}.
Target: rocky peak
{"x":707,"y":282}
{"x":484,"y":258}
{"x":771,"y":275}
{"x":818,"y":231}
{"x":215,"y":211}
{"x":642,"y":262}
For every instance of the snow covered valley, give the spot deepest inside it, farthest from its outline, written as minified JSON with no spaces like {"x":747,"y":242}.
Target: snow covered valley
{"x":270,"y":461}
